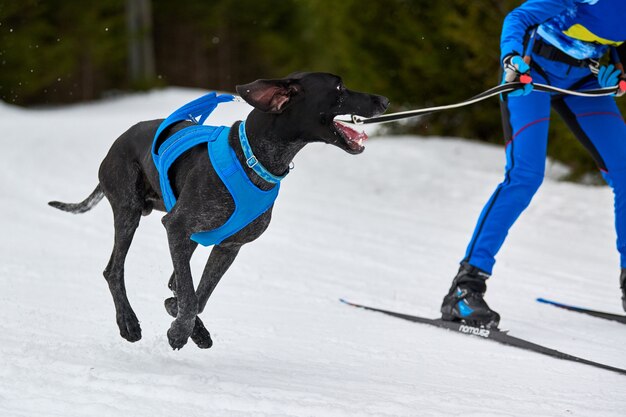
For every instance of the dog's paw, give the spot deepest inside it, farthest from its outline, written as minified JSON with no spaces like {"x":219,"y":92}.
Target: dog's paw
{"x":171,"y":306}
{"x":179,"y":333}
{"x":201,"y":336}
{"x":129,"y":326}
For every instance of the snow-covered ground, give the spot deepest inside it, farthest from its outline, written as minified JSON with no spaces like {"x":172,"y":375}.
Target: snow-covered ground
{"x":386,"y":228}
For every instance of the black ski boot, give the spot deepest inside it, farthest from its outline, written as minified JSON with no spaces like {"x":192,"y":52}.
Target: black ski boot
{"x":465,"y":302}
{"x":622,"y":285}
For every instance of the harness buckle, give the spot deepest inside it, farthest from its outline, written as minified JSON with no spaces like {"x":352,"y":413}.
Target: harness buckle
{"x":252,"y":161}
{"x":193,"y":119}
{"x":594,"y":66}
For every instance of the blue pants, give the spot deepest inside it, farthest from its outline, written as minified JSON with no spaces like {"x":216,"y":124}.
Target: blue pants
{"x":597,"y":124}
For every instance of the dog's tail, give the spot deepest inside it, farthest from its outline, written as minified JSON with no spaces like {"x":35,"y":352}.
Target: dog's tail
{"x":78,"y":208}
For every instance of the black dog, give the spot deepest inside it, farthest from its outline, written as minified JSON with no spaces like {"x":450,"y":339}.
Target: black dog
{"x":288,"y":113}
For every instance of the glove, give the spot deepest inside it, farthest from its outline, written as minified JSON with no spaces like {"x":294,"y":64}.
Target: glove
{"x":514,"y":67}
{"x":609,"y":76}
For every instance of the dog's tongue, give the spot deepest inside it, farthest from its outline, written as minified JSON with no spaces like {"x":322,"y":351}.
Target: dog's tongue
{"x":355,"y":139}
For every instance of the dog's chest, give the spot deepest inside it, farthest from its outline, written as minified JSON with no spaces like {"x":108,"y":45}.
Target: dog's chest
{"x":250,"y":201}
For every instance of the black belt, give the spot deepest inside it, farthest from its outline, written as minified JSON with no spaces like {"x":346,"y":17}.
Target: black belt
{"x":553,"y":53}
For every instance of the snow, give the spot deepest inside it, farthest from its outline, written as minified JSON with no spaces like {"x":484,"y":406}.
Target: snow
{"x":385,"y":228}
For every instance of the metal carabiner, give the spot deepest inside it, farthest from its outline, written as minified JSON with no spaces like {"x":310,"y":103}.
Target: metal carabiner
{"x":357,"y":120}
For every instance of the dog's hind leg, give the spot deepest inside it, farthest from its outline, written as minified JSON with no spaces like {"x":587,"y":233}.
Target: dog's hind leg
{"x":220,"y":260}
{"x":123,"y":187}
{"x":126,"y":221}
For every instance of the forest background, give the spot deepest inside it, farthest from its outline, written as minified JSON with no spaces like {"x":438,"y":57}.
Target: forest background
{"x":416,"y":52}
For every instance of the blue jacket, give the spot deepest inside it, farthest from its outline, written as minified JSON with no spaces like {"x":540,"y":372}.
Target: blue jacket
{"x":581,"y":28}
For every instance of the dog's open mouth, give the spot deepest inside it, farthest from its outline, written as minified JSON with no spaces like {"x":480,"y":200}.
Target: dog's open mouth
{"x":353,"y":139}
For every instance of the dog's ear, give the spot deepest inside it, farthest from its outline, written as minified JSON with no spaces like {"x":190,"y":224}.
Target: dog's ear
{"x":269,"y":96}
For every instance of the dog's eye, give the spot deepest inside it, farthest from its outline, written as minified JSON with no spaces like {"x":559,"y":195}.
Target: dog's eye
{"x":339,"y":87}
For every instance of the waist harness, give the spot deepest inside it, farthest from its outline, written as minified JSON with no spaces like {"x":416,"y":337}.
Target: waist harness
{"x":551,"y":52}
{"x":250,"y":201}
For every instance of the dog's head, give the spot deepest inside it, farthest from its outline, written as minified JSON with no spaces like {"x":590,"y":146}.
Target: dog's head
{"x":310,"y":102}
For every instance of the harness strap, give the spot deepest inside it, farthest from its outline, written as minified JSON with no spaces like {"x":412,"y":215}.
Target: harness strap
{"x":551,"y":52}
{"x":174,"y":147}
{"x":201,"y":107}
{"x":250,"y":201}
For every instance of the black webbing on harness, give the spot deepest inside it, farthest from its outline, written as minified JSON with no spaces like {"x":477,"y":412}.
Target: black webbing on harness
{"x":553,"y":53}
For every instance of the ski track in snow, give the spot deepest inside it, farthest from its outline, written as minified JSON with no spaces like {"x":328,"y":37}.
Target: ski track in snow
{"x":385,"y":228}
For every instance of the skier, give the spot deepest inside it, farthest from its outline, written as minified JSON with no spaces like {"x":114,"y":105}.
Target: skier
{"x":564,"y":40}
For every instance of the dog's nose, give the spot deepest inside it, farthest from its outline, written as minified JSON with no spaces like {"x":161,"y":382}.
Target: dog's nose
{"x":383,"y":101}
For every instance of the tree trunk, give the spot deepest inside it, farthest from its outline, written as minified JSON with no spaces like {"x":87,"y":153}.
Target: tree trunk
{"x":141,"y":66}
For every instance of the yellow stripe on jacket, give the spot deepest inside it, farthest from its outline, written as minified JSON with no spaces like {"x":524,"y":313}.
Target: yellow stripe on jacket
{"x":580,"y":32}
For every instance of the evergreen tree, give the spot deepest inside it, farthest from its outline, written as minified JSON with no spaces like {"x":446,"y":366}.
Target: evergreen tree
{"x":60,"y":50}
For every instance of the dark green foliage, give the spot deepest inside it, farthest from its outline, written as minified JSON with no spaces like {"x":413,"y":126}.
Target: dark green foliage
{"x":60,"y":50}
{"x":417,"y":52}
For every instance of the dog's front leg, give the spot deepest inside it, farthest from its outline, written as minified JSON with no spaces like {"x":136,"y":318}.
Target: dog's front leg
{"x":219,"y":261}
{"x":171,"y":284}
{"x":181,"y":249}
{"x":221,"y":258}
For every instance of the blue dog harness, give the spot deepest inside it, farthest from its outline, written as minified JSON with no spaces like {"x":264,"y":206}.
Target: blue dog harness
{"x":250,"y":201}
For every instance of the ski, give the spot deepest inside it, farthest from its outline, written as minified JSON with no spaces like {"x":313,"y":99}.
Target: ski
{"x":600,"y":314}
{"x":496,"y":335}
